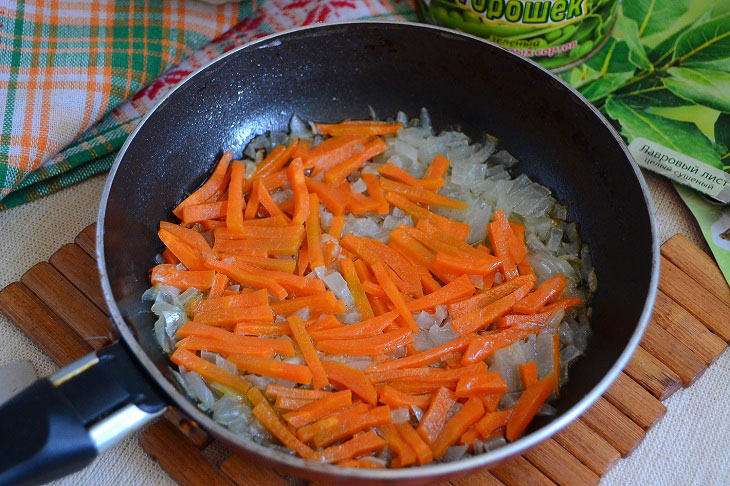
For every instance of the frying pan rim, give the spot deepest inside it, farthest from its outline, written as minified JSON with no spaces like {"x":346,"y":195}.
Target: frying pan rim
{"x":422,"y":472}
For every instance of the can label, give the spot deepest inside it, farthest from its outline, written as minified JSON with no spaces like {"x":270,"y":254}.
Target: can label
{"x":555,"y":33}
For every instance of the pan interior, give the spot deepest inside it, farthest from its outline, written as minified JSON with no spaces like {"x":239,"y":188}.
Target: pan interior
{"x":335,"y":72}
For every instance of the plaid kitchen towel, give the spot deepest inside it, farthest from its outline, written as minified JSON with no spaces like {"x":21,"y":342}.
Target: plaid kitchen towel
{"x":76,"y":77}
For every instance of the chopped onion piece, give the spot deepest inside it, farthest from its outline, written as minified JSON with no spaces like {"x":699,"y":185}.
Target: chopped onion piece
{"x":400,"y":415}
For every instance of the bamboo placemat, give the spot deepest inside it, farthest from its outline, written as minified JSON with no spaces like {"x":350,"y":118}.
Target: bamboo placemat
{"x":58,"y":304}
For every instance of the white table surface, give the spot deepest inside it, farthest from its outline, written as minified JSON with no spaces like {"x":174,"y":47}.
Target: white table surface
{"x":688,"y":446}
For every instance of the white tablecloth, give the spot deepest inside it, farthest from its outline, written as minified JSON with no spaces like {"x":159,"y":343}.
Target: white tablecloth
{"x":688,"y":446}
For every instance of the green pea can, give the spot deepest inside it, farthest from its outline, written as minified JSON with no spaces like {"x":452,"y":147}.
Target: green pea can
{"x":558,"y":34}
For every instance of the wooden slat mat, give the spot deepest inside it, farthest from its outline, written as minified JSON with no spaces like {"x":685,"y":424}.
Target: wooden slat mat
{"x":58,"y":304}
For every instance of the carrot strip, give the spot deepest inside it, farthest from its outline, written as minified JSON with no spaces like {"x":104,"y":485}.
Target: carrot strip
{"x":330,"y":197}
{"x":374,"y":251}
{"x":260,"y":329}
{"x":435,"y":417}
{"x":182,"y":279}
{"x":183,"y":251}
{"x":264,"y":263}
{"x":372,"y":418}
{"x":339,"y":172}
{"x":220,"y":282}
{"x":363,"y":271}
{"x":314,"y":233}
{"x":421,"y":195}
{"x":272,"y":233}
{"x":320,"y":408}
{"x":484,"y":265}
{"x":530,"y":400}
{"x":492,"y":421}
{"x":295,"y":285}
{"x":347,"y":377}
{"x":525,"y":268}
{"x":463,"y":307}
{"x":512,"y":320}
{"x":405,"y":455}
{"x":189,"y":236}
{"x":358,"y":445}
{"x":246,"y":278}
{"x":300,"y":393}
{"x":356,"y":203}
{"x":411,"y":437}
{"x":483,"y":317}
{"x":258,"y":246}
{"x":288,"y":403}
{"x":498,"y":239}
{"x":319,"y":377}
{"x":458,"y":289}
{"x":301,"y":150}
{"x":196,"y":343}
{"x":480,"y":384}
{"x":358,"y":128}
{"x":205,"y":211}
{"x":428,"y":375}
{"x":515,"y":246}
{"x":195,"y":329}
{"x":459,"y":246}
{"x":302,"y":261}
{"x":332,"y":151}
{"x":209,"y":371}
{"x":491,"y":402}
{"x":367,"y":328}
{"x":396,"y":399}
{"x":169,"y":257}
{"x":425,"y":357}
{"x":376,"y":192}
{"x":455,"y":228}
{"x":469,"y":414}
{"x":367,"y":346}
{"x":468,"y":437}
{"x":276,"y":159}
{"x":398,"y":174}
{"x":438,"y":167}
{"x":353,"y":283}
{"x":214,"y":184}
{"x":234,"y":212}
{"x":324,"y":303}
{"x":394,"y":295}
{"x":547,"y":290}
{"x":269,"y":204}
{"x":308,"y":432}
{"x":295,"y":172}
{"x":269,"y":419}
{"x":323,"y":323}
{"x":271,"y":367}
{"x":528,"y":373}
{"x":361,"y":463}
{"x":418,"y":388}
{"x":251,"y":299}
{"x":482,"y":347}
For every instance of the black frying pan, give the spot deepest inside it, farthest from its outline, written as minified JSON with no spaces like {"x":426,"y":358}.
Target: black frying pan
{"x":330,"y":73}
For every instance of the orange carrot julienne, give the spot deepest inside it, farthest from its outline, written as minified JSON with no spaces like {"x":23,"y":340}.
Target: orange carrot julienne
{"x":234,"y":212}
{"x":356,"y":203}
{"x":498,"y":239}
{"x":196,"y":343}
{"x":301,"y":195}
{"x":258,"y":246}
{"x":302,"y":261}
{"x":358,"y":128}
{"x":491,"y":402}
{"x":169,"y":257}
{"x":460,"y":308}
{"x":265,"y":263}
{"x":367,"y":346}
{"x":480,"y":384}
{"x":411,"y":437}
{"x":370,"y":327}
{"x":396,"y":173}
{"x":319,"y":377}
{"x":260,"y":329}
{"x":525,"y":268}
{"x":482,"y":347}
{"x":319,"y":408}
{"x":245,"y":278}
{"x":527,"y":405}
{"x":314,"y":233}
{"x":386,"y":283}
{"x":339,"y":172}
{"x":271,"y":367}
{"x":468,"y":437}
{"x":469,"y":414}
{"x":332,"y":199}
{"x":358,"y":445}
{"x":405,"y":454}
{"x":183,"y":251}
{"x":455,"y":228}
{"x":515,"y":245}
{"x":204,"y":211}
{"x":483,"y":317}
{"x":433,"y":231}
{"x":435,"y":417}
{"x":438,"y":167}
{"x":396,"y":399}
{"x":295,"y":285}
{"x":324,"y":303}
{"x":214,"y":184}
{"x":269,"y":204}
{"x":194,"y":329}
{"x":308,"y":432}
{"x":259,"y":297}
{"x":353,"y":283}
{"x":491,"y":421}
{"x":277,"y":159}
{"x":209,"y":371}
{"x":301,"y":393}
{"x":425,"y":357}
{"x":288,"y":403}
{"x":300,"y":151}
{"x":547,"y":290}
{"x":547,"y":313}
{"x":255,"y":396}
{"x":167,"y":274}
{"x":528,"y":373}
{"x":189,"y":236}
{"x":269,"y":419}
{"x":220,"y":282}
{"x":332,"y":151}
{"x":347,"y":377}
{"x":427,"y":374}
{"x":421,"y":195}
{"x":260,"y":232}
{"x":483,"y":265}
{"x":372,"y":418}
{"x":323,"y":323}
{"x":362,"y":463}
{"x":418,"y":388}
{"x":376,"y":192}
{"x":458,"y":289}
